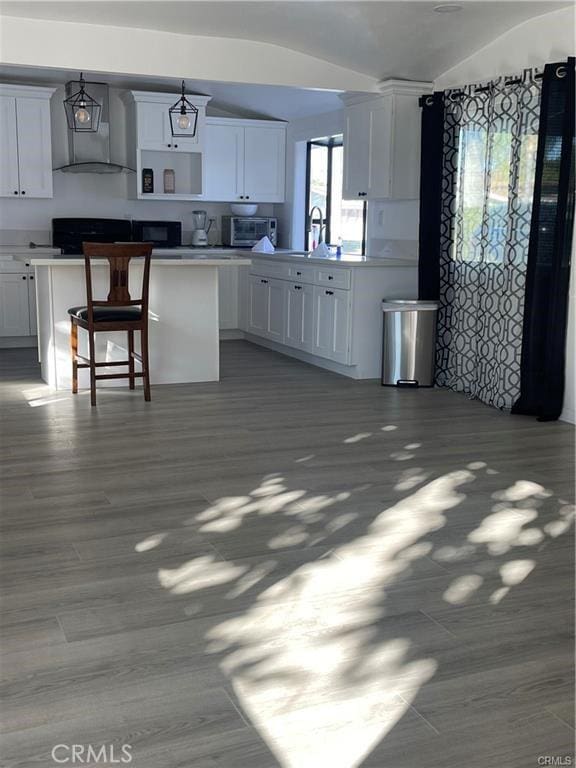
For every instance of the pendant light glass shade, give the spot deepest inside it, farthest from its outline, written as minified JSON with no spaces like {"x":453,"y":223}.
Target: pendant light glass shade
{"x":82,"y":111}
{"x":183,"y":117}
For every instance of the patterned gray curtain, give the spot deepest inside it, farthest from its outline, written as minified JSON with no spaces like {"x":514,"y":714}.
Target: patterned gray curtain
{"x":490,"y":143}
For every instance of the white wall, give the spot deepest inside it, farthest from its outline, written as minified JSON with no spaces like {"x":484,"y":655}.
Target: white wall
{"x":94,"y":195}
{"x":537,"y":42}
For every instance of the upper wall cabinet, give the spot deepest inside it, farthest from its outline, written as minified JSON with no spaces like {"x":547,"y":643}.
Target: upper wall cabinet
{"x":26,"y":148}
{"x":153,"y":146}
{"x":244,"y":160}
{"x":382,"y":144}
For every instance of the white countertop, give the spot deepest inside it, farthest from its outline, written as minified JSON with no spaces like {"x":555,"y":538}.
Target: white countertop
{"x":346,"y":260}
{"x":210,"y":257}
{"x":164,"y":257}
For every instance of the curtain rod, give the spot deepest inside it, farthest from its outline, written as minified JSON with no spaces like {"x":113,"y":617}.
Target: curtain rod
{"x":561,"y":71}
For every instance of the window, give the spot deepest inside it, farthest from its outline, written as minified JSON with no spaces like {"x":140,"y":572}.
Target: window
{"x":343,"y":220}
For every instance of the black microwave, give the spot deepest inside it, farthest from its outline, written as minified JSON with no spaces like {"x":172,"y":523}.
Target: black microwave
{"x":162,"y":234}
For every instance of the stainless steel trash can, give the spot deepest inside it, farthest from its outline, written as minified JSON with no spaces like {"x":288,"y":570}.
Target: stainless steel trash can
{"x":408,"y":344}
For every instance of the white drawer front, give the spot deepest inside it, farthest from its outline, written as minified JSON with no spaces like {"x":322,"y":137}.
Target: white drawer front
{"x":270,"y":269}
{"x":302,"y":273}
{"x":335,"y":278}
{"x":14,"y":267}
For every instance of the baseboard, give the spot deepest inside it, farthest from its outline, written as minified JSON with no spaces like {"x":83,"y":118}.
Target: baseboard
{"x":350,"y":371}
{"x":230,"y":334}
{"x":15,"y":342}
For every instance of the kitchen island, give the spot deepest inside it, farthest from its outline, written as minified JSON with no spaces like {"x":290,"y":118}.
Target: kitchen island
{"x":183,"y":319}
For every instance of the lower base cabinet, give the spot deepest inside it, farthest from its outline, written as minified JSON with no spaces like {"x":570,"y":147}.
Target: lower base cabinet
{"x":308,"y":317}
{"x":267,"y":308}
{"x":300,"y":316}
{"x":17,"y":300}
{"x":331,"y":324}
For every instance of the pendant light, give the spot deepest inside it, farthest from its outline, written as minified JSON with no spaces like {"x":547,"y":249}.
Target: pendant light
{"x":82,"y":111}
{"x":183,"y":117}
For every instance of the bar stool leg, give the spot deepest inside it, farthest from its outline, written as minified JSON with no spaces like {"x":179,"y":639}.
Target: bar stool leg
{"x":74,"y":352}
{"x":92,"y":368}
{"x":145,"y":363}
{"x":132,"y":382}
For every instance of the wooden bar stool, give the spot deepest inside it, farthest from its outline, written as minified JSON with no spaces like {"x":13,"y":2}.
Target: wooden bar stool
{"x":118,"y":313}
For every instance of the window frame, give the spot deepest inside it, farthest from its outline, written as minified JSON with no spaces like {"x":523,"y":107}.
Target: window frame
{"x":330,"y":142}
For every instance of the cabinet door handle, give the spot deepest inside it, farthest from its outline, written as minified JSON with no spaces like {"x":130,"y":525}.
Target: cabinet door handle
{"x":297,"y":287}
{"x":329,"y":293}
{"x":247,"y":197}
{"x":23,"y":192}
{"x":298,"y":273}
{"x":330,"y":277}
{"x":23,"y":277}
{"x":175,"y":146}
{"x":15,"y":191}
{"x":263,"y":281}
{"x":31,"y":277}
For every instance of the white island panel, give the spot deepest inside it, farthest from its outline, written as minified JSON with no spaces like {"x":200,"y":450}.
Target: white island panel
{"x":183,"y":322}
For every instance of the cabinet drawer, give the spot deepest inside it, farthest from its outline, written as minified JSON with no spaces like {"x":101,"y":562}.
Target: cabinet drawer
{"x":336,"y":278}
{"x":301,"y":273}
{"x":269,"y":269}
{"x":14,"y":267}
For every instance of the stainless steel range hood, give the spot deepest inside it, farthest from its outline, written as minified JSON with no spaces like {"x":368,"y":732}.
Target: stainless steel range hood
{"x":90,"y":152}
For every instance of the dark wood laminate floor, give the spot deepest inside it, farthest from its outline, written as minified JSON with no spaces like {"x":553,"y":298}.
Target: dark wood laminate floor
{"x":286,"y":568}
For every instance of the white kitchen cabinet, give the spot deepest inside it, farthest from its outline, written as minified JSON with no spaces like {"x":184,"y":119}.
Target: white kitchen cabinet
{"x":331,"y":324}
{"x":244,"y":160}
{"x":264,"y":163}
{"x":276,"y":310}
{"x":9,"y":173}
{"x":332,"y":313}
{"x":266,"y":298}
{"x":154,"y":131}
{"x":300,"y":316}
{"x":356,"y":152}
{"x":32,"y":310}
{"x":382,"y":144}
{"x":258,"y":305}
{"x":228,"y":297}
{"x":26,"y":149}
{"x":15,"y":303}
{"x":224,"y":161}
{"x":153,"y":146}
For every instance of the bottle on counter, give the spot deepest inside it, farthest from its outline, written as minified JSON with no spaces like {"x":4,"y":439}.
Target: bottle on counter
{"x":339,"y":248}
{"x":147,"y":181}
{"x":169,"y":181}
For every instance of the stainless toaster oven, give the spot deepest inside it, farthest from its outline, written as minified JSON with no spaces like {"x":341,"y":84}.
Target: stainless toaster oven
{"x":246,"y":231}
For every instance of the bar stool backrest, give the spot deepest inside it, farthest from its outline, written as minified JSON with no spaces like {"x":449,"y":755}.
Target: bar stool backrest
{"x":118,"y":256}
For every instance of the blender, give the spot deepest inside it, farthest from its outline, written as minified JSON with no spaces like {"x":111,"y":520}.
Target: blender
{"x":199,"y":231}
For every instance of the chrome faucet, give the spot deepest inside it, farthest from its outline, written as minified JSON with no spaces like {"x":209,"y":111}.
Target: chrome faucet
{"x":311,"y":219}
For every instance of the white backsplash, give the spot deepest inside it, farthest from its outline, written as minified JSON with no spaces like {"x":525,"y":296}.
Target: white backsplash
{"x":98,"y":196}
{"x":392,"y":229}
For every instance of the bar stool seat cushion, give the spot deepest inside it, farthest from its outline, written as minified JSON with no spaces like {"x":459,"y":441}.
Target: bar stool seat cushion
{"x":108,"y":314}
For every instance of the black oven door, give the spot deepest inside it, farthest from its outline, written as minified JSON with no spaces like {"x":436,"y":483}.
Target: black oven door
{"x":162,"y":234}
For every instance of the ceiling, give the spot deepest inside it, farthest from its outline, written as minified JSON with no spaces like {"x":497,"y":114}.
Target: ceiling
{"x":404,"y":39}
{"x":238,"y":99}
